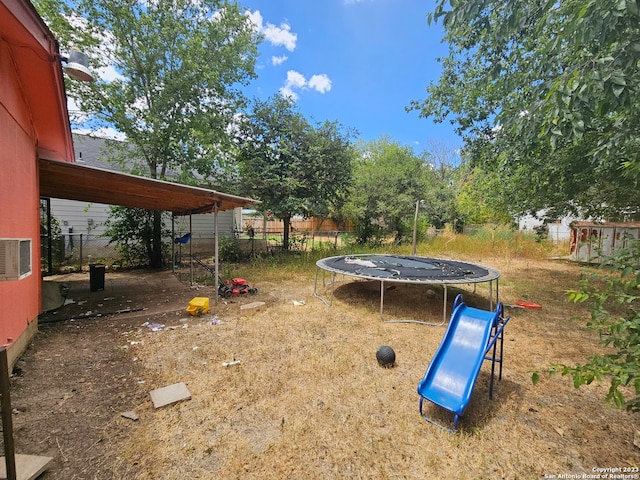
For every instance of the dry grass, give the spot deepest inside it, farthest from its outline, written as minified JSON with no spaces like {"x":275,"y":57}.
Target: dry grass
{"x":308,"y":399}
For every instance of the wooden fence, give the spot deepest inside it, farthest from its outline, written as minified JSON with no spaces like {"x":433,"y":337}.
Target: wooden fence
{"x":309,"y":225}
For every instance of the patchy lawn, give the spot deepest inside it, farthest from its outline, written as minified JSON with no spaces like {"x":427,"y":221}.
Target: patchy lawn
{"x":307,"y":398}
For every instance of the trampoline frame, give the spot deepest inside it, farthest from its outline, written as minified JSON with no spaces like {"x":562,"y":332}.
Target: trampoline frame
{"x":491,"y":277}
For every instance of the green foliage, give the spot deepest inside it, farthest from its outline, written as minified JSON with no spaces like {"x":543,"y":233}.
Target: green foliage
{"x":229,"y":250}
{"x":292,"y":166}
{"x":178,"y":89}
{"x":479,"y":199}
{"x":388,"y":180}
{"x":132,"y":232}
{"x":612,"y":293}
{"x":57,"y":241}
{"x":546,"y":96}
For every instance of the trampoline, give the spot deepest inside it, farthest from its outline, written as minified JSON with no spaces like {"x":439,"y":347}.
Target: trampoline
{"x":406,"y":269}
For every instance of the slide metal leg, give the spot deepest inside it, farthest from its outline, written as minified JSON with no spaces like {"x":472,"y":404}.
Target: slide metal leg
{"x":456,"y":417}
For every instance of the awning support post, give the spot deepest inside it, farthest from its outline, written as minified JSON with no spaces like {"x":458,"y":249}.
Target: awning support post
{"x":215,"y":249}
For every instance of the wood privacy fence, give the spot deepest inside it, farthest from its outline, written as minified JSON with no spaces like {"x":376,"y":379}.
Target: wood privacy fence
{"x":309,"y":225}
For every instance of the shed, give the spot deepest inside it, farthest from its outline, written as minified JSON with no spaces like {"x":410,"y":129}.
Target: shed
{"x":592,"y":242}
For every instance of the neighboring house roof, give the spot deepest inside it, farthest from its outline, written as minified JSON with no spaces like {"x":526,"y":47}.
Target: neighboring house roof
{"x":99,"y":152}
{"x":93,"y":151}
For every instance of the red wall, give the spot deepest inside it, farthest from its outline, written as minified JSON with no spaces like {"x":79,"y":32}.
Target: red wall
{"x":20,"y":300}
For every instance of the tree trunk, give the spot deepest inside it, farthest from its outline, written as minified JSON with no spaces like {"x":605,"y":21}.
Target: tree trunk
{"x":285,"y":236}
{"x":156,"y":243}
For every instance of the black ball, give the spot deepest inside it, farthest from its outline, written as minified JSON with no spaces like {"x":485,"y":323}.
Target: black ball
{"x":386,"y":356}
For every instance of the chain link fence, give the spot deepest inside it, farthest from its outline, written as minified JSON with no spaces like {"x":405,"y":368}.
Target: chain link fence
{"x":72,"y":251}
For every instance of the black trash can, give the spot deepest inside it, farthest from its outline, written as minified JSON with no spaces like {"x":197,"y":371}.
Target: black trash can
{"x":96,"y":276}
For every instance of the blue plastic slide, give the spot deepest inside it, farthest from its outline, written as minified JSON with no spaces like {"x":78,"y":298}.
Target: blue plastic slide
{"x":454,"y":369}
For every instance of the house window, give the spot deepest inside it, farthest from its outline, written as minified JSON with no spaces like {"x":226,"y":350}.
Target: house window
{"x":15,"y":258}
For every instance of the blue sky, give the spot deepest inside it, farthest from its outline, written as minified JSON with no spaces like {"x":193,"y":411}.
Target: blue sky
{"x":359,"y":62}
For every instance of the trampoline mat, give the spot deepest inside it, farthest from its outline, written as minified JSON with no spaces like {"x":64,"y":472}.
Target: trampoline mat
{"x":406,"y":268}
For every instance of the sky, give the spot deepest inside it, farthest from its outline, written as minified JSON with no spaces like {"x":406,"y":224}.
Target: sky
{"x":358,"y":62}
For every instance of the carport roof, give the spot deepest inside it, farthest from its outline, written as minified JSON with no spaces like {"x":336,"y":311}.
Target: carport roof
{"x":89,"y":184}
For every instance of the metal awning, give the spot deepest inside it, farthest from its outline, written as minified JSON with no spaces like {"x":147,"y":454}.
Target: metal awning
{"x":89,"y":184}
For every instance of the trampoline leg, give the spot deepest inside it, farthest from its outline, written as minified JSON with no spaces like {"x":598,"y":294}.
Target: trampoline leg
{"x":315,"y":289}
{"x":491,"y":294}
{"x":381,"y":299}
{"x":315,"y":283}
{"x":333,"y":286}
{"x":444,"y":306}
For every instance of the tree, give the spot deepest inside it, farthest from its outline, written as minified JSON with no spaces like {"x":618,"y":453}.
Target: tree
{"x":479,"y":196}
{"x":131,"y":230}
{"x":545,"y":94}
{"x":179,"y":66}
{"x":388,"y":180}
{"x":292,"y":166}
{"x":440,"y":197}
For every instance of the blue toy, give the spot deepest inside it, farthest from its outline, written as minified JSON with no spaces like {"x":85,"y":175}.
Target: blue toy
{"x":469,"y":340}
{"x":183,"y":239}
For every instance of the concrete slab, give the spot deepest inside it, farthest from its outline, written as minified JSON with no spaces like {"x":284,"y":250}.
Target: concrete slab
{"x":130,"y":414}
{"x":251,"y":305}
{"x":28,"y":467}
{"x":169,"y":394}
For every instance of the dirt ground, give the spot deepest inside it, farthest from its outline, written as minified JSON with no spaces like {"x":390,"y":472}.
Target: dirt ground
{"x":307,"y":375}
{"x":77,"y":377}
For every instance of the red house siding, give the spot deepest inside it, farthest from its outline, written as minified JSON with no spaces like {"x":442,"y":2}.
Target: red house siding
{"x":19,"y":299}
{"x":25,"y":130}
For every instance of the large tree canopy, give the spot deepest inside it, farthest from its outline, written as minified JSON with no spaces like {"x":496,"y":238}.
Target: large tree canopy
{"x":546,"y":95}
{"x":179,"y":65}
{"x":292,"y":166}
{"x":388,"y":180}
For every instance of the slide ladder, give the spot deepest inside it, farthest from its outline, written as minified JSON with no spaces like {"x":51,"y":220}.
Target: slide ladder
{"x":471,"y":338}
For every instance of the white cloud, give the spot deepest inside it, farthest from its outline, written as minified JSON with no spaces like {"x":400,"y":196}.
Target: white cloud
{"x":277,"y":36}
{"x":104,"y":132}
{"x":275,"y":61}
{"x":320,"y":83}
{"x":109,"y":74}
{"x":296,"y":81}
{"x":281,"y":36}
{"x":288,"y":93}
